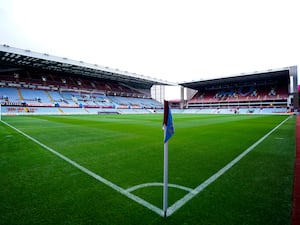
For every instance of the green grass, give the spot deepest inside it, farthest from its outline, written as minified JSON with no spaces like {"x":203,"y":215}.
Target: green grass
{"x":37,"y":187}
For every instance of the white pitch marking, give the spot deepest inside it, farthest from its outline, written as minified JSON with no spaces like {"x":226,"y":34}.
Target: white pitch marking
{"x":92,"y":174}
{"x":202,"y":186}
{"x":131,"y":189}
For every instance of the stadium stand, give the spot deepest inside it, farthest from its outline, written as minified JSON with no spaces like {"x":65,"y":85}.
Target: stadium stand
{"x":70,"y":102}
{"x":261,"y":92}
{"x":26,"y":88}
{"x":32,"y":82}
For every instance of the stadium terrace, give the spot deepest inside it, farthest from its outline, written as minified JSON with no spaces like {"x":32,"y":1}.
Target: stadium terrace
{"x":36,"y":83}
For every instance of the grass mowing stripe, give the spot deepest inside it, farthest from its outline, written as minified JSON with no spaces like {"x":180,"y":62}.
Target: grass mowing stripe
{"x":214,"y":177}
{"x":92,"y":174}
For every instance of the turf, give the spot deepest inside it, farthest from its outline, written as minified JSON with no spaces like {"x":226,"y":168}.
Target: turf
{"x":37,"y":187}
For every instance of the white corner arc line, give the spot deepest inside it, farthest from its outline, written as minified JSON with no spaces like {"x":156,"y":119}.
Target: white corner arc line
{"x":92,"y":174}
{"x":211,"y":179}
{"x":131,"y":189}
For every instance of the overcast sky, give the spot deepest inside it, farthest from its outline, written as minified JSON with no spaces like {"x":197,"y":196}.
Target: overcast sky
{"x":167,"y":39}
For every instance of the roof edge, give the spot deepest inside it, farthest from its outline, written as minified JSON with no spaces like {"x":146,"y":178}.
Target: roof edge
{"x":64,"y":60}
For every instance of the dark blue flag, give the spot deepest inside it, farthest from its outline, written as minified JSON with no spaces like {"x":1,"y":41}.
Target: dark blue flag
{"x":168,"y":122}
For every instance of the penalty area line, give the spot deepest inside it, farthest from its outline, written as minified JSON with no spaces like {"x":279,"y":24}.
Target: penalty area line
{"x":214,"y":177}
{"x":92,"y":174}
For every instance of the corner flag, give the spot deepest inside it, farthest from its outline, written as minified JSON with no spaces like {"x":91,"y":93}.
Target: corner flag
{"x":168,"y":122}
{"x":168,"y":133}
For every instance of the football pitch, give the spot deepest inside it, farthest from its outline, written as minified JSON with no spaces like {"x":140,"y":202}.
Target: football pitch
{"x":108,"y":169}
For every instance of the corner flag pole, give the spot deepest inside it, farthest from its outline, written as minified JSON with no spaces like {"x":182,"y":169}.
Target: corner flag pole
{"x":168,"y":132}
{"x":165,"y":191}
